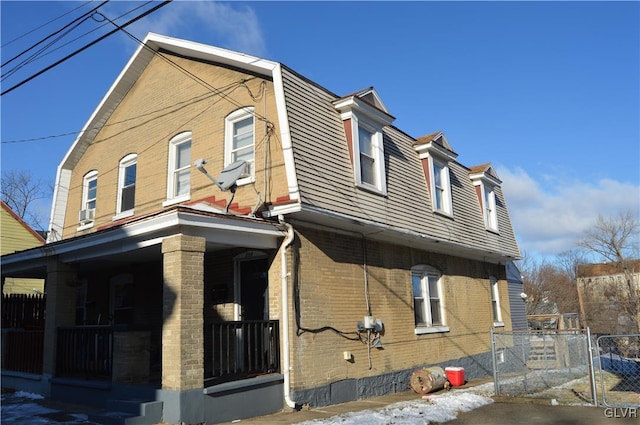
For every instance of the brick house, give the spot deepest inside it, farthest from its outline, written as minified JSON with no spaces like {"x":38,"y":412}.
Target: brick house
{"x":609,"y":294}
{"x":225,"y":230}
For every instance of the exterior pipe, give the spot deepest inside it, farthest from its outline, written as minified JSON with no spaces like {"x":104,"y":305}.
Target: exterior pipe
{"x":285,"y":312}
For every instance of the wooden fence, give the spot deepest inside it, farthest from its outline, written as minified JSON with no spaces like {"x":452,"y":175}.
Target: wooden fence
{"x":23,"y":311}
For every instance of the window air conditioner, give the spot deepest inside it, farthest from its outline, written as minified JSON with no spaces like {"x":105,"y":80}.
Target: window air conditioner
{"x":86,"y":215}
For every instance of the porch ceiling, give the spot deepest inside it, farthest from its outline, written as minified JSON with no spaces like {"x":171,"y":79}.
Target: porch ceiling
{"x":140,"y":240}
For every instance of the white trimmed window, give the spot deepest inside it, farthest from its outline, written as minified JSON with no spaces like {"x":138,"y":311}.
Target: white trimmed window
{"x":240,"y":141}
{"x":364,"y":117}
{"x":428,"y":302}
{"x":436,"y":153}
{"x":495,"y":302}
{"x":490,"y":217}
{"x":486,"y":181}
{"x":179,"y":175}
{"x":369,"y":157}
{"x":127,"y":185}
{"x":441,"y":186}
{"x":89,"y":197}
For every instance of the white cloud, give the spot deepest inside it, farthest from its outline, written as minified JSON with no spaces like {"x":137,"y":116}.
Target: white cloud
{"x":233,"y":26}
{"x":550,"y":219}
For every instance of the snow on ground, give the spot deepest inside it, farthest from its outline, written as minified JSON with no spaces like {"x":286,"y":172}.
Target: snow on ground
{"x":435,"y":408}
{"x":21,"y":408}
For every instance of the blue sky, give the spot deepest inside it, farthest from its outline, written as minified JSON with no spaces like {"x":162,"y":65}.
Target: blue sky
{"x":548,"y":92}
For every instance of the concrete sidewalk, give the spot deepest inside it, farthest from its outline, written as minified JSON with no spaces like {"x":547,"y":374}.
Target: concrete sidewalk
{"x":504,"y":411}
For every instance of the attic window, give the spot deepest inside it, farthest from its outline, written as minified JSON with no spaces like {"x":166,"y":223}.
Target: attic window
{"x":486,"y":181}
{"x":364,"y":117}
{"x":436,"y":154}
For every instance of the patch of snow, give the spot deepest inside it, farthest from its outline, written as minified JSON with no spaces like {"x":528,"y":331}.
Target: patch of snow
{"x":435,"y":408}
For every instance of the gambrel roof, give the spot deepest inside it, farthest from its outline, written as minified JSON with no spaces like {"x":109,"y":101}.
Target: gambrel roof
{"x":319,"y":172}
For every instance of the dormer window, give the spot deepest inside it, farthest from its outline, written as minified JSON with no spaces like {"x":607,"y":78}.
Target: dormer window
{"x":486,"y":181}
{"x":436,"y":154}
{"x":364,"y":117}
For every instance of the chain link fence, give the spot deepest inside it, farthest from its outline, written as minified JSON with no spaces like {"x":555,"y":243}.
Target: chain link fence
{"x":527,"y":362}
{"x":572,"y":367}
{"x":618,"y":373}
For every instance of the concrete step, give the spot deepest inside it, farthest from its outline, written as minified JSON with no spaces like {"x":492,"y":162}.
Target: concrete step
{"x":129,"y":412}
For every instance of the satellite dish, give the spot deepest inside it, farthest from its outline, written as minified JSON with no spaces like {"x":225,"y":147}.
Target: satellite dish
{"x":230,"y":175}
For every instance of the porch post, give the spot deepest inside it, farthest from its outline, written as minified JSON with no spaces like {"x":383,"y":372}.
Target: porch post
{"x":183,"y":313}
{"x":60,"y":308}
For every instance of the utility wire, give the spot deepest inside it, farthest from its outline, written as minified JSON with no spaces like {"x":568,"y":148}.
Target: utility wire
{"x":81,"y":18}
{"x":44,"y":25}
{"x":9,"y":90}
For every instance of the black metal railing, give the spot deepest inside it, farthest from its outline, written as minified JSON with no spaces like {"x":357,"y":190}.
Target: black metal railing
{"x":85,"y":352}
{"x":243,"y":349}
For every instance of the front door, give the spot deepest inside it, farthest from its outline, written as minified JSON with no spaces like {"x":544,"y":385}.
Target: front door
{"x":253,"y":297}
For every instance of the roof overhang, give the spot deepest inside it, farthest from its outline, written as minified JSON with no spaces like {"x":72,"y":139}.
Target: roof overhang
{"x":142,"y":238}
{"x":310,"y":216}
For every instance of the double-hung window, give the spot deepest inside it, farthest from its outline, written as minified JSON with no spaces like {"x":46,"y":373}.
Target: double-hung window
{"x":368,"y":157}
{"x":486,"y":181}
{"x":428,"y":302}
{"x":179,"y":176}
{"x":435,"y":152}
{"x":240,"y":141}
{"x":490,"y":218}
{"x":126,"y":185}
{"x":495,"y":302}
{"x":89,"y":198}
{"x":441,"y":187}
{"x":364,"y":117}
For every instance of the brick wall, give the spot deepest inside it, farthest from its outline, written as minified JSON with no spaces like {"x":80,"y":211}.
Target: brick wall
{"x":331,"y":287}
{"x":163,"y":103}
{"x":183,"y":294}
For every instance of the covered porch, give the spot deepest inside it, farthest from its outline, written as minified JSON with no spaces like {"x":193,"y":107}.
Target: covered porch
{"x":168,"y":308}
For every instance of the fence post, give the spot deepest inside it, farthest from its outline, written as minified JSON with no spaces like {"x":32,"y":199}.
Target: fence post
{"x":496,"y":386}
{"x":592,"y":377}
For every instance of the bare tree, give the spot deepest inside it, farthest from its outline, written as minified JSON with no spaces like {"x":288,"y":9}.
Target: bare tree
{"x":20,"y":191}
{"x":616,"y":241}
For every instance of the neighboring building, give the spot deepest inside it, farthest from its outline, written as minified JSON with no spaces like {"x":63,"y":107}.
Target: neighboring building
{"x":16,"y":235}
{"x":609,"y":296}
{"x":325,"y":257}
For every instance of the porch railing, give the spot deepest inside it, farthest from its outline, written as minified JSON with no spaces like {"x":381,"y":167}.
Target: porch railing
{"x":242,"y":349}
{"x":85,"y":352}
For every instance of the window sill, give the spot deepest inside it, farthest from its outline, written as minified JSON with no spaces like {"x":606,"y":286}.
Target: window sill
{"x":85,"y":226}
{"x":443,"y":213}
{"x":176,"y":200}
{"x":370,"y":188}
{"x":498,"y":324}
{"x":431,"y":329}
{"x":489,"y":229}
{"x":122,"y":215}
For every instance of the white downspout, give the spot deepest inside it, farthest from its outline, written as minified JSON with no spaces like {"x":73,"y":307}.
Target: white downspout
{"x":285,"y":312}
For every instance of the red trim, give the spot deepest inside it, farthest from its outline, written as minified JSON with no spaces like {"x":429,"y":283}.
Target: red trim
{"x":22,"y":222}
{"x":349,"y":133}
{"x":282,"y":199}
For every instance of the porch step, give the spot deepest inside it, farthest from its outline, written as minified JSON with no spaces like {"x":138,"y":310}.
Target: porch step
{"x":129,"y":412}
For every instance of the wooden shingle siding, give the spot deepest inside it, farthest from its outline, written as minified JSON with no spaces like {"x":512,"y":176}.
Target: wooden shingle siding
{"x":326,"y":177}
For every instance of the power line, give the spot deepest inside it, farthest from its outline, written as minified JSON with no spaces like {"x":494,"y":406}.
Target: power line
{"x":81,"y":18}
{"x":44,"y":25}
{"x":37,"y":74}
